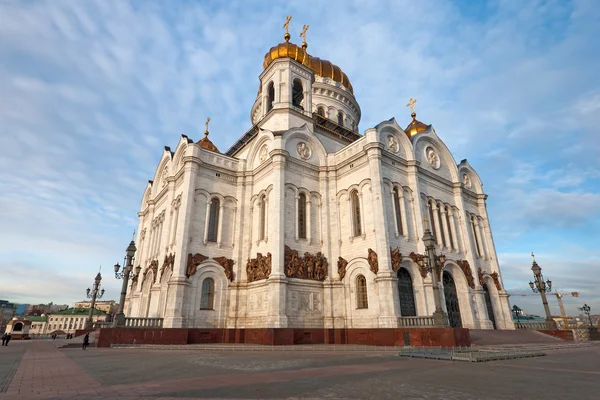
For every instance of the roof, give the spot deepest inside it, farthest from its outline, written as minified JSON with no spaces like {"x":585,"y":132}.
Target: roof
{"x":34,"y":318}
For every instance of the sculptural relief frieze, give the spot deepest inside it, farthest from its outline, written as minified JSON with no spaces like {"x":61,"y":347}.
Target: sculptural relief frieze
{"x":432,"y":157}
{"x":227,"y":265}
{"x":342,"y":264}
{"x":310,"y":266}
{"x":392,"y":144}
{"x":167,"y":263}
{"x":303,"y":151}
{"x":396,"y":258}
{"x":258,"y":268}
{"x":152,"y":267}
{"x":466,"y":268}
{"x":496,"y":280}
{"x":193,"y":261}
{"x":373,"y":263}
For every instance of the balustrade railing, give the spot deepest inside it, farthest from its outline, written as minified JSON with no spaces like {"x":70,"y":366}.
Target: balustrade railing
{"x":143,"y":322}
{"x":535,"y":325}
{"x":409,"y":322}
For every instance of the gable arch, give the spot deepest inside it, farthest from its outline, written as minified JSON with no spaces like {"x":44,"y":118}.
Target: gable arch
{"x":264,"y":136}
{"x":304,"y":134}
{"x":422,"y":141}
{"x":476,"y":184}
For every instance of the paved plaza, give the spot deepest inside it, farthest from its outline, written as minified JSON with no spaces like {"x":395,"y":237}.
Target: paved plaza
{"x":39,"y":370}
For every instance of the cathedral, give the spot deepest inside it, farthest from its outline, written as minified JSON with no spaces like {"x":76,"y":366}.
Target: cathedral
{"x":304,"y":222}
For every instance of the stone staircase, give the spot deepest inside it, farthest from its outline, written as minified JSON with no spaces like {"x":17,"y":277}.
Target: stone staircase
{"x":488,"y":337}
{"x":75,"y":342}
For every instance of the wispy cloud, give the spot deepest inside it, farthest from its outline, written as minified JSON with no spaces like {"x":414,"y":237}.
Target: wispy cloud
{"x":91,"y":91}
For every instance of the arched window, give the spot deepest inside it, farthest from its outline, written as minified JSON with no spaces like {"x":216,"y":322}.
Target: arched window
{"x":406,"y":293}
{"x":270,"y":96}
{"x":302,"y":216}
{"x":208,"y":294}
{"x":18,"y":327}
{"x":340,"y":118}
{"x":397,"y":211}
{"x":263,"y":216}
{"x":356,"y":227}
{"x":321,"y":111}
{"x":361,"y":292}
{"x":431,"y":224}
{"x":213,"y":220}
{"x":298,"y":94}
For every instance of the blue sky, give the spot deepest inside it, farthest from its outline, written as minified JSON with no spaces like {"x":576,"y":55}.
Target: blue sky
{"x":91,"y":91}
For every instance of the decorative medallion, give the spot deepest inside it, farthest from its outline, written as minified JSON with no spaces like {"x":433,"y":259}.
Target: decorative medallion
{"x":258,"y":268}
{"x":227,"y":265}
{"x":303,"y":151}
{"x":432,"y":157}
{"x":313,"y":267}
{"x":165,"y":174}
{"x":416,"y":257}
{"x":263,"y":153}
{"x":392,"y":144}
{"x":396,"y":258}
{"x":342,"y":263}
{"x":466,"y":268}
{"x":193,"y":261}
{"x":466,"y":181}
{"x":373,"y":263}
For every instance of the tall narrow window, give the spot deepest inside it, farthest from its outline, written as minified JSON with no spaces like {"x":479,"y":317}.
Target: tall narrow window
{"x":397,"y":200}
{"x":356,"y":226}
{"x":432,"y":225}
{"x":474,"y":227}
{"x":449,"y":227}
{"x":361,"y":292}
{"x":340,"y":118}
{"x":298,"y":94}
{"x":321,"y":111}
{"x":443,"y":236}
{"x":270,"y":96}
{"x":213,"y":221}
{"x":208,"y":294}
{"x":263,"y":210}
{"x":302,"y":216}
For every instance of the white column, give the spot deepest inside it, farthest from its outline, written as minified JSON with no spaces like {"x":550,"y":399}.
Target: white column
{"x":404,"y":214}
{"x":474,"y":229}
{"x":206,"y":221}
{"x":350,"y":217}
{"x":297,"y":222}
{"x":320,"y":207}
{"x":460,"y":244}
{"x":393,"y":200}
{"x":362,"y":214}
{"x":174,"y":237}
{"x":233,"y":228}
{"x":482,"y":240}
{"x":220,"y":226}
{"x":453,"y":229}
{"x":308,"y":218}
{"x":436,"y":224}
{"x":446,"y":228}
{"x":267,"y":219}
{"x":413,"y":213}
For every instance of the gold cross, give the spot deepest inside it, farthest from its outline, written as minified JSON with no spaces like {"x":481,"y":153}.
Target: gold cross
{"x":426,"y":223}
{"x":303,"y":33}
{"x":207,"y":121}
{"x":287,"y":23}
{"x":533,"y":256}
{"x":411,"y":104}
{"x":133,"y":236}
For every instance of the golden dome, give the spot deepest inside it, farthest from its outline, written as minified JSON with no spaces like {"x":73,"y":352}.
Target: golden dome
{"x":415,"y":126}
{"x":323,"y":68}
{"x":208,"y":145}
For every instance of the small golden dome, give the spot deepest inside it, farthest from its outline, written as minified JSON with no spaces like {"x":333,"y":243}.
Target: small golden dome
{"x":205,"y":143}
{"x":323,"y":68}
{"x":415,"y":126}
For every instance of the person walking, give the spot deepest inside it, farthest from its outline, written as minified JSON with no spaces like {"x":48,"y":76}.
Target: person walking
{"x":86,"y":341}
{"x":4,"y":339}
{"x":8,"y":337}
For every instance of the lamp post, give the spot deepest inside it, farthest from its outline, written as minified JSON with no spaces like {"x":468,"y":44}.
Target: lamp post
{"x":540,"y":286}
{"x":125,"y":274}
{"x":93,"y":294}
{"x":517,"y":311}
{"x":432,"y":263}
{"x":586,"y":309}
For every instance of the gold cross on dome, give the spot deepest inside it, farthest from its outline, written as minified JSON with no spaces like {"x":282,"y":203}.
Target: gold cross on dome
{"x":207,"y":121}
{"x":287,"y":23}
{"x":426,"y":223}
{"x":133,"y":236}
{"x":411,"y":104}
{"x":303,"y":33}
{"x":533,"y":256}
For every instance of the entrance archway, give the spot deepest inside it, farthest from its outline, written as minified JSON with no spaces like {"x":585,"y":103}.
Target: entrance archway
{"x":452,"y":306}
{"x":406,"y":294}
{"x":488,"y":305}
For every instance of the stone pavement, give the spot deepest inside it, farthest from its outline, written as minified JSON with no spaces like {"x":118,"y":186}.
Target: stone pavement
{"x":45,"y":372}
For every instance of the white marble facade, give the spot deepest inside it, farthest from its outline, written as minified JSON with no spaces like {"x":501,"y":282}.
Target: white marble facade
{"x":314,"y":185}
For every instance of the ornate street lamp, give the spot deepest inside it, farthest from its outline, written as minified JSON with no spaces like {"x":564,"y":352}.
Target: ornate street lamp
{"x":434,"y":263}
{"x":541,"y":287}
{"x":93,"y":294}
{"x":125,"y":274}
{"x":586,"y":309}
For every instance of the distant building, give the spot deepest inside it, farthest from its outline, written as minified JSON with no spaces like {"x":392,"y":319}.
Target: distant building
{"x":65,"y":321}
{"x":39,"y":309}
{"x":108,"y":306}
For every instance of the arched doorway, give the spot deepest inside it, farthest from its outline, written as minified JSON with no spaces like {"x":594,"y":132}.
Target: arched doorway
{"x":452,"y":306}
{"x":406,"y":294}
{"x":488,"y":304}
